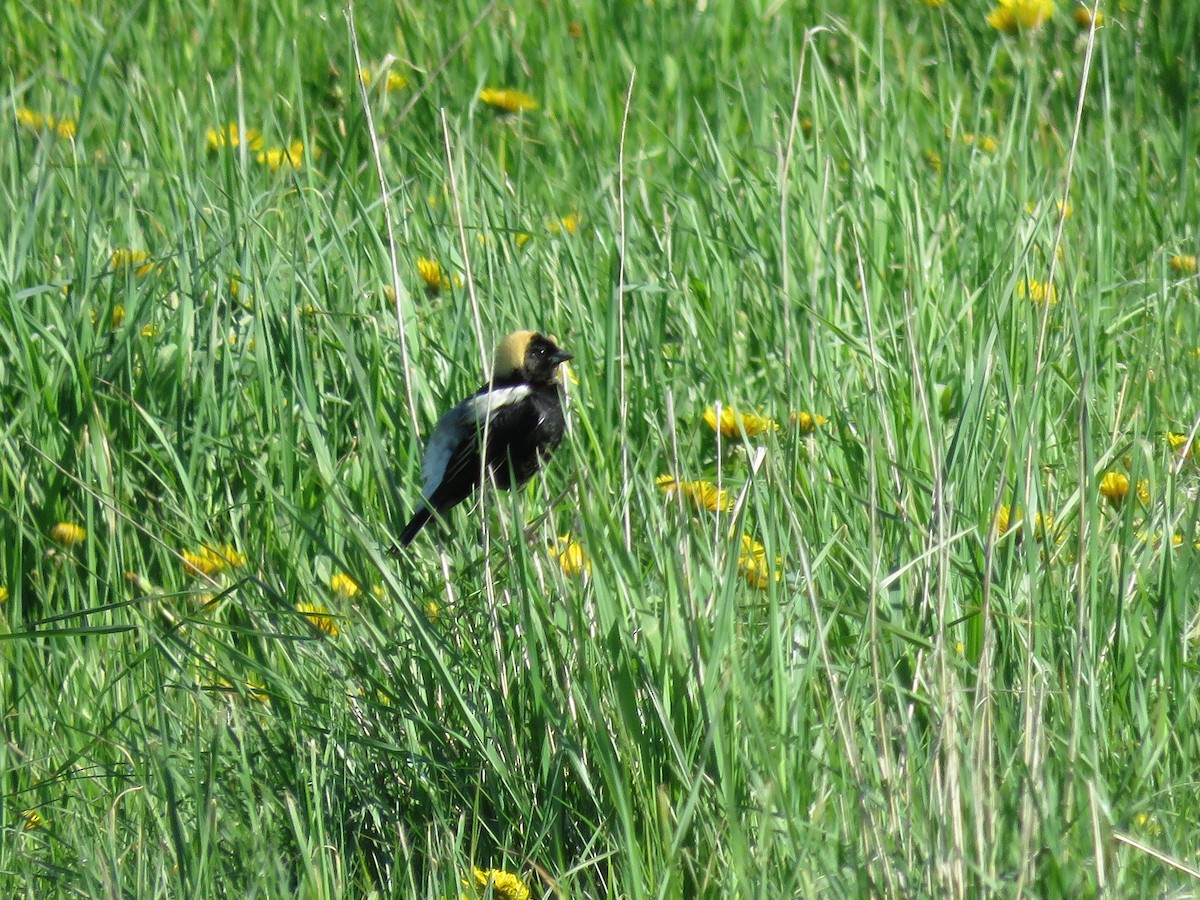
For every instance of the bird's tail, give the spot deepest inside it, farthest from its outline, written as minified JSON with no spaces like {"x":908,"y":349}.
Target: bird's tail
{"x":415,"y":524}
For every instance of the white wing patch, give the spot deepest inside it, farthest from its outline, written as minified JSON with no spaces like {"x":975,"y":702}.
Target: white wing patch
{"x":483,"y":405}
{"x":459,"y":424}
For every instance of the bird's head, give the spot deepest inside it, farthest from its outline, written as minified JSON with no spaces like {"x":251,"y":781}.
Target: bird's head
{"x":527,"y":356}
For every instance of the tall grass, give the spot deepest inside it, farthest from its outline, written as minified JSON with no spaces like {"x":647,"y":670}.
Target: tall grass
{"x":896,"y":220}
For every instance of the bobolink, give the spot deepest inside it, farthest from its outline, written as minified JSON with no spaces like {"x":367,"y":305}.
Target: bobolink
{"x":517,"y":417}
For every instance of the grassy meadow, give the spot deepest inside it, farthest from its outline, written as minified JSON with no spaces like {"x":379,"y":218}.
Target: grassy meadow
{"x":869,"y":565}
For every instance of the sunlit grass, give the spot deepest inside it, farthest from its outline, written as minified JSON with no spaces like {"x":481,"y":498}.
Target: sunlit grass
{"x":868,"y":565}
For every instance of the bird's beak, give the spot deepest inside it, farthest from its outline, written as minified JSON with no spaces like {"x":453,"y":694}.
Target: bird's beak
{"x":561,"y":356}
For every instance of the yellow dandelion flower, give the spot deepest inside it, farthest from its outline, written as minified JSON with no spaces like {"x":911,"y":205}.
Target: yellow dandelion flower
{"x":68,"y":533}
{"x":344,"y":586}
{"x":430,"y":271}
{"x":506,"y":100}
{"x":1009,"y":520}
{"x":30,"y":120}
{"x":1085,"y":20}
{"x":32,"y":820}
{"x":1155,"y":539}
{"x":41,"y":124}
{"x":231,"y":136}
{"x":254,"y":687}
{"x":982,"y":142}
{"x":3,"y":594}
{"x":1062,"y":207}
{"x":502,"y":885}
{"x":233,"y":558}
{"x":522,"y":239}
{"x":933,"y":159}
{"x":1114,"y":487}
{"x":700,"y":494}
{"x":209,"y":561}
{"x":117,"y":320}
{"x":435,"y":278}
{"x":433,"y":612}
{"x":137,"y":260}
{"x":199,"y":563}
{"x":1179,"y":443}
{"x":753,"y":565}
{"x":1147,"y":823}
{"x":571,"y":558}
{"x":1143,"y":490}
{"x":731,"y":423}
{"x":568,"y":224}
{"x":808,"y":422}
{"x":1043,"y":524}
{"x":1038,"y":292}
{"x":319,"y":618}
{"x":1014,"y":16}
{"x":1183,"y":265}
{"x":257,"y":690}
{"x":277,"y":157}
{"x":392,"y":81}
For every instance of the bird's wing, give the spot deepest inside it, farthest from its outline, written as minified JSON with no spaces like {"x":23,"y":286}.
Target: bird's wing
{"x":452,"y":455}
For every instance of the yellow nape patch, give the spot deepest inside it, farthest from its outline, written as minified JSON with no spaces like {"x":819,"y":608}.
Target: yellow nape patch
{"x":510,"y":354}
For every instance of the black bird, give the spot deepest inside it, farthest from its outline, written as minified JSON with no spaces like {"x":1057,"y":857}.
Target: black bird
{"x":516,"y":419}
